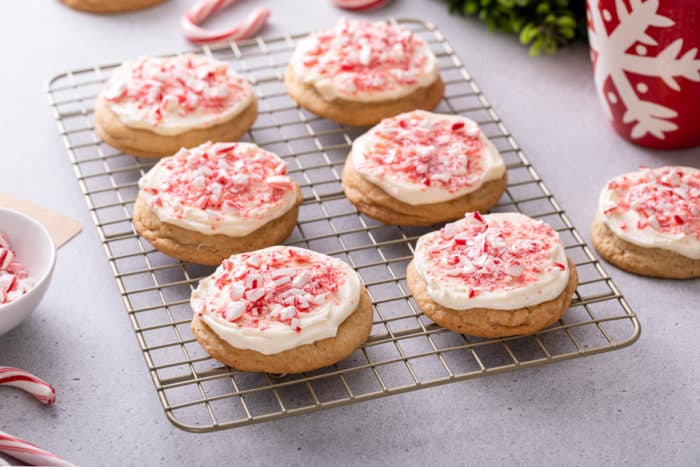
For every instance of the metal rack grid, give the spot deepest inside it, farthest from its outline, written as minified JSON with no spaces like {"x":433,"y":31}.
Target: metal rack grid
{"x":406,"y":351}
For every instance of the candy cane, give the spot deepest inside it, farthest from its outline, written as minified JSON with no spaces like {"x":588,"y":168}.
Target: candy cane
{"x":358,"y":5}
{"x":27,"y":452}
{"x":21,"y":379}
{"x":203,"y":9}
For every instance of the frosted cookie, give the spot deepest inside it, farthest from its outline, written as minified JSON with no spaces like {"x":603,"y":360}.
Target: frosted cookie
{"x":360,"y":72}
{"x":109,"y":6}
{"x":648,"y":222}
{"x":492,"y":276}
{"x":152,"y":107}
{"x":281,"y":310}
{"x":204,"y":204}
{"x":421,"y":168}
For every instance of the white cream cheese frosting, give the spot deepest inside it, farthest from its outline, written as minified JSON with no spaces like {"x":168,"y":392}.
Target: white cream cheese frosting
{"x":173,"y":95}
{"x":655,"y":208}
{"x":222,"y":188}
{"x":503,"y":261}
{"x":422,"y":157}
{"x":364,"y":62}
{"x":277,"y":298}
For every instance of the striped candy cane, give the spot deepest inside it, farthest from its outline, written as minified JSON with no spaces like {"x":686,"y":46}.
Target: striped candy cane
{"x":28,"y":453}
{"x":203,"y":9}
{"x":21,"y":379}
{"x":358,"y":5}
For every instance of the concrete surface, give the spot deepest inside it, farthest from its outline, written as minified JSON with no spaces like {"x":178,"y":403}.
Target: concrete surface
{"x":637,"y":406}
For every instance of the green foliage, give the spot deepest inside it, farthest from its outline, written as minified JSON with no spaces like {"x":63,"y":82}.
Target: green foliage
{"x":544,"y":25}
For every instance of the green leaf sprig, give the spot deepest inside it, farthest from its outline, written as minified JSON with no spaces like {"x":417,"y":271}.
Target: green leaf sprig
{"x":544,"y":25}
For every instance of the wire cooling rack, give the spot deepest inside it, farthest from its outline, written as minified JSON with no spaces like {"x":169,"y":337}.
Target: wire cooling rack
{"x":405,"y":351}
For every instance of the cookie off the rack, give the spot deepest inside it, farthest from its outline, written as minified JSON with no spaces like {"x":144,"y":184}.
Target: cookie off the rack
{"x":281,"y":310}
{"x":206,"y":203}
{"x":360,"y":72}
{"x":110,"y":6}
{"x":421,"y":168}
{"x":152,"y":107}
{"x":648,"y":222}
{"x":492,"y":275}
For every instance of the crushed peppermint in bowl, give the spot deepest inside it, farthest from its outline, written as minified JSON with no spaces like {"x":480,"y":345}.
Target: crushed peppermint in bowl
{"x":14,"y":276}
{"x":27,"y":259}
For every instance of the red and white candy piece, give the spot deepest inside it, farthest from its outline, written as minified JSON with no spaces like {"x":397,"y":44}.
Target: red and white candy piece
{"x":203,"y":9}
{"x":277,"y":284}
{"x":427,"y":149}
{"x":29,"y":453}
{"x":666,"y":199}
{"x":494,"y":252}
{"x":37,"y":387}
{"x":167,"y":91}
{"x":359,"y":5}
{"x":363,"y":57}
{"x":232,"y":178}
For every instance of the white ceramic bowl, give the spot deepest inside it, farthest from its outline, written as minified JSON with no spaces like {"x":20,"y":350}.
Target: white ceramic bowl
{"x":34,"y":247}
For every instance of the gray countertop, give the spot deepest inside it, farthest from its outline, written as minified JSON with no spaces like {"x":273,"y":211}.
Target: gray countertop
{"x":636,"y":406}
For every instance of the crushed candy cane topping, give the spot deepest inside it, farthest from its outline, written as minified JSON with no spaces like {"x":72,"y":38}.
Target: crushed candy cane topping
{"x":666,"y":200}
{"x":238,"y":179}
{"x":279,"y":284}
{"x":14,"y":278}
{"x":426,"y":149}
{"x":487,"y":253}
{"x":366,"y":57}
{"x":160,"y":89}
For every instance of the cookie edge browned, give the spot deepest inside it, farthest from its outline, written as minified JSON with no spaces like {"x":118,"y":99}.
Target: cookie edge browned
{"x":110,"y":7}
{"x":195,"y":247}
{"x":361,"y":113}
{"x":352,"y":333}
{"x":488,"y":322}
{"x":372,"y":200}
{"x":651,"y":262}
{"x":145,"y":143}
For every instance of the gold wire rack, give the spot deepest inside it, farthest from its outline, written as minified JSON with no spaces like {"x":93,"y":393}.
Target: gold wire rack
{"x":405,"y":351}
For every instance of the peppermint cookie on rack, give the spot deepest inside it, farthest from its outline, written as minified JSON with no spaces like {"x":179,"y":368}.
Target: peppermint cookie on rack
{"x":648,"y":222}
{"x":110,"y":6}
{"x":281,"y":310}
{"x":204,"y":204}
{"x":360,"y":72}
{"x":421,"y":168}
{"x":154,"y":106}
{"x":493,"y":275}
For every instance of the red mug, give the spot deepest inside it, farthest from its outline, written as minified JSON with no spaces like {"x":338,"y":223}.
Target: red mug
{"x":647,"y":68}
